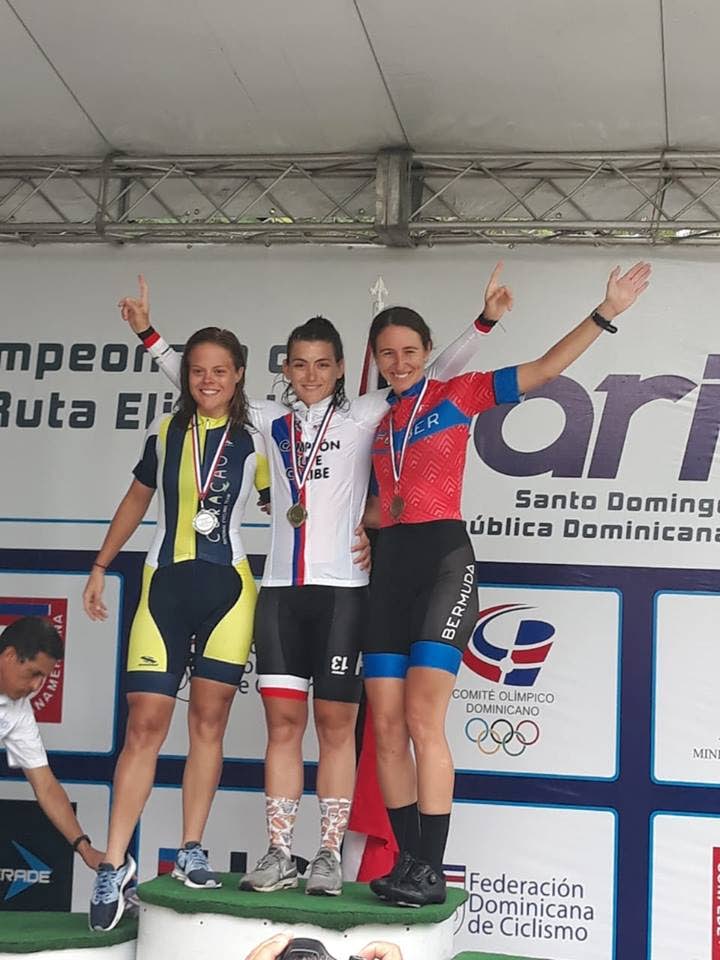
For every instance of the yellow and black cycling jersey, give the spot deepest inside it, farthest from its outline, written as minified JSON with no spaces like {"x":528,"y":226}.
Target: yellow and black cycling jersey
{"x":167,"y":466}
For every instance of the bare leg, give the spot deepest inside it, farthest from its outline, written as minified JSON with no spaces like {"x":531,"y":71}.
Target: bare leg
{"x":210,"y":704}
{"x":147,"y":726}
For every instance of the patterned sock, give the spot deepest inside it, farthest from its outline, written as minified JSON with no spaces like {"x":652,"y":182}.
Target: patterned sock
{"x":281,"y":813}
{"x":334,"y":816}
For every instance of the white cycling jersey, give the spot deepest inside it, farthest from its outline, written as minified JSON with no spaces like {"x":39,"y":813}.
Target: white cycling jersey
{"x":319,"y":550}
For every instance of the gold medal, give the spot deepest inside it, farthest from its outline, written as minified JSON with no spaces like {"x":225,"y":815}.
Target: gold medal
{"x":397,"y":505}
{"x":297,"y":515}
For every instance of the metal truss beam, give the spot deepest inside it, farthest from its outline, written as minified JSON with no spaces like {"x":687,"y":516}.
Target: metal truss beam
{"x":394,"y":198}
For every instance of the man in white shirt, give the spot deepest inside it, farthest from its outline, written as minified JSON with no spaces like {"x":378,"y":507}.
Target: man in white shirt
{"x":29,"y":650}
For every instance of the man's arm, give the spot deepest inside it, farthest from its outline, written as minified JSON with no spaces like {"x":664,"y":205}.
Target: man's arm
{"x":56,"y":806}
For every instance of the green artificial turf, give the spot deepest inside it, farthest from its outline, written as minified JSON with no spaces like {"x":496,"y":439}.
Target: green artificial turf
{"x":356,"y":906}
{"x":32,"y":932}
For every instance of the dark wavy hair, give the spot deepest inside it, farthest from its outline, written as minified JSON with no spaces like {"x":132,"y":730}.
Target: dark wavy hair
{"x":186,"y":406}
{"x":318,"y":329}
{"x":399,"y":317}
{"x":30,"y":636}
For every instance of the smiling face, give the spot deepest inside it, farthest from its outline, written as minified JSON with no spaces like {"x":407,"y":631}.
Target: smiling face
{"x":212,"y":379}
{"x":401,"y":357}
{"x":20,"y":678}
{"x":312,"y":370}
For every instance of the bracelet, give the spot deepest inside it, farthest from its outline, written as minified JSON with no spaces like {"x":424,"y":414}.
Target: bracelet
{"x":600,"y":320}
{"x":78,"y":840}
{"x":483,"y":324}
{"x":101,"y":565}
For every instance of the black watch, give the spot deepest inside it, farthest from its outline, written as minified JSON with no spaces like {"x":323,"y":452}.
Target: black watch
{"x":600,"y":320}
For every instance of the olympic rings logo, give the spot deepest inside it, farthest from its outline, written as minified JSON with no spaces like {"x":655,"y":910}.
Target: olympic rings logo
{"x":502,"y":734}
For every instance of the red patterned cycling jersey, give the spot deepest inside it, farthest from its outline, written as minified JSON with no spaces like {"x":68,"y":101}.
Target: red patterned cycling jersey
{"x":431,"y":479}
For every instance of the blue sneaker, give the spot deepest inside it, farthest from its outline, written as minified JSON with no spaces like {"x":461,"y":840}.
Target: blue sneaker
{"x":192,"y":867}
{"x":108,"y":897}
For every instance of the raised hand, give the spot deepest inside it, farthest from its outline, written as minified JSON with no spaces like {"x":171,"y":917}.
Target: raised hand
{"x":623,"y":291}
{"x":136,"y":310}
{"x":498,"y":298}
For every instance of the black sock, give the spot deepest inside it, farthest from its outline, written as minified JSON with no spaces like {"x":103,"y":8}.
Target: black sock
{"x":433,"y":838}
{"x":406,"y":827}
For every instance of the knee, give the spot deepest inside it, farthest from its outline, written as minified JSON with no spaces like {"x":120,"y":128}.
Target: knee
{"x":423,"y":729}
{"x":207,"y":726}
{"x":335,"y":733}
{"x":391,"y":733}
{"x":285,"y":728}
{"x":145,"y":732}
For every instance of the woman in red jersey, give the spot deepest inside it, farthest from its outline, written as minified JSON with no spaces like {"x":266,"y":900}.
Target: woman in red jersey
{"x":423,"y":601}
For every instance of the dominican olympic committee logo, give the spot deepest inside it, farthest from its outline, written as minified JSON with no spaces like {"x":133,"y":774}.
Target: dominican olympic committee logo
{"x":517,"y":651}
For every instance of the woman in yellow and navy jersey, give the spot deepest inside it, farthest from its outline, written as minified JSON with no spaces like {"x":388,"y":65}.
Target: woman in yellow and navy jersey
{"x":203,"y":461}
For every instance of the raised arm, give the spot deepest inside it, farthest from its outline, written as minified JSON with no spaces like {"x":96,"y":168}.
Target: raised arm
{"x":128,"y":515}
{"x":453,"y":359}
{"x":136,"y":311}
{"x":620,"y":294}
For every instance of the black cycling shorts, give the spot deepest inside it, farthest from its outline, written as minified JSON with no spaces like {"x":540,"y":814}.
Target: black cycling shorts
{"x":310,"y":633}
{"x":423,"y":599}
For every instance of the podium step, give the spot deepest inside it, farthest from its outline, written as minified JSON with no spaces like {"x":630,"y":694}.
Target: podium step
{"x":45,"y":935}
{"x":176,"y":921}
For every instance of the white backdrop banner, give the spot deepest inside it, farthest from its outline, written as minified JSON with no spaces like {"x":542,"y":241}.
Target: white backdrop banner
{"x":585,"y":704}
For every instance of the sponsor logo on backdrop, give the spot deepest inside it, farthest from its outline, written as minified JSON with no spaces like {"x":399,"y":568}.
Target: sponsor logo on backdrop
{"x":238,"y":861}
{"x":512,"y":738}
{"x":547,"y":908}
{"x":36,"y":862}
{"x":591,"y":446}
{"x":517,"y":664}
{"x":21,"y":878}
{"x":501,"y":718}
{"x":48,"y":701}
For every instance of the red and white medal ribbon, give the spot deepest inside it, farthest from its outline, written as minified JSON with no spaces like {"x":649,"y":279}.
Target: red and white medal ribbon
{"x":397,"y":463}
{"x":300,"y":476}
{"x":203,"y":486}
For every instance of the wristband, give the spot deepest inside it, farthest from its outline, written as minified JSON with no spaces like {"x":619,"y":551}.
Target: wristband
{"x":483,"y":324}
{"x":600,"y":320}
{"x":78,"y":840}
{"x":147,"y":333}
{"x":101,"y":565}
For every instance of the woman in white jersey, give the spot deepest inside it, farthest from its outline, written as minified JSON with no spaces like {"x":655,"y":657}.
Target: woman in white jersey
{"x":313,"y":602}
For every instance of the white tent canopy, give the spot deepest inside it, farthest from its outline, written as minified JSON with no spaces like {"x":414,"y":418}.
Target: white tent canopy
{"x":84,"y":79}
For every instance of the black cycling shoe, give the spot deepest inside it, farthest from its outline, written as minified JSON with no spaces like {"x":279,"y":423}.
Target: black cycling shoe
{"x":418,"y":887}
{"x":381,"y":885}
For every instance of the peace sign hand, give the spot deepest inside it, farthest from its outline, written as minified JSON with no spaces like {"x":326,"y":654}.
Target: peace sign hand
{"x":136,"y":311}
{"x":498,"y":298}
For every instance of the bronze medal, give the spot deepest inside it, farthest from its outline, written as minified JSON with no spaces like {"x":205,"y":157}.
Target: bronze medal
{"x":397,"y":505}
{"x":297,"y":515}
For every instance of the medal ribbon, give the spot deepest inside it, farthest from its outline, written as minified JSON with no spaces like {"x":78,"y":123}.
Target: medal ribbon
{"x":204,"y":485}
{"x":302,"y":475}
{"x":397,"y":465}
